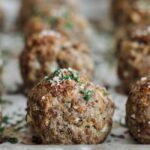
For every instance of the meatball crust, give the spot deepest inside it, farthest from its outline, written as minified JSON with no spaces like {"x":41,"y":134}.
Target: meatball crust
{"x":134,"y":56}
{"x":49,"y":50}
{"x":138,"y":111}
{"x":40,"y":15}
{"x":31,"y":7}
{"x":132,"y":12}
{"x":66,"y":108}
{"x":66,"y":21}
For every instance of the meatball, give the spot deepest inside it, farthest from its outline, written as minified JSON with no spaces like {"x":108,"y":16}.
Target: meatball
{"x":134,"y":56}
{"x":138,"y":111}
{"x":65,"y":21}
{"x":31,"y":7}
{"x":133,"y":12}
{"x":46,"y":51}
{"x":65,"y":108}
{"x":37,"y":15}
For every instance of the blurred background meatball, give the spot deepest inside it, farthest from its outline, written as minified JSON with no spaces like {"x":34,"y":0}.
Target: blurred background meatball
{"x":138,"y":111}
{"x":134,"y":56}
{"x":30,"y":7}
{"x":66,"y":21}
{"x":131,"y":12}
{"x":49,"y":50}
{"x":74,"y":111}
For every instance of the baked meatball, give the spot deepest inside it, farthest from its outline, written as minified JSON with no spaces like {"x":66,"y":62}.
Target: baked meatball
{"x":135,"y":12}
{"x":31,"y":7}
{"x":138,"y":111}
{"x":134,"y":56}
{"x":46,"y":51}
{"x":65,"y":21}
{"x":65,"y":108}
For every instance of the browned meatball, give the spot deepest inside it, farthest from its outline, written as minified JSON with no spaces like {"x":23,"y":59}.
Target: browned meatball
{"x":40,"y":17}
{"x":65,"y":108}
{"x":32,"y":7}
{"x":65,"y":21}
{"x":138,"y":111}
{"x":135,"y":12}
{"x":48,"y":50}
{"x":134,"y":57}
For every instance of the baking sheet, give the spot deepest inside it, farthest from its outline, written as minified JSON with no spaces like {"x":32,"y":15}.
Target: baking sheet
{"x":103,"y":53}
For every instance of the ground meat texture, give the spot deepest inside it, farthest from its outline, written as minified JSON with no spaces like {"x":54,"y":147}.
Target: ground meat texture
{"x":65,"y":108}
{"x":30,"y":8}
{"x":49,"y":50}
{"x":65,"y":21}
{"x":37,"y":15}
{"x":138,"y":111}
{"x":134,"y":56}
{"x":133,"y":12}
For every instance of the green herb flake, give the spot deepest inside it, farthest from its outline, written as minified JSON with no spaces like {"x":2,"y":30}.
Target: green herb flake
{"x":57,"y":72}
{"x":72,"y":76}
{"x":53,"y":21}
{"x":87,"y":94}
{"x":68,"y":25}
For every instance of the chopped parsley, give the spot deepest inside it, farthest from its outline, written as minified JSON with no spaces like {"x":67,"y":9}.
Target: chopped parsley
{"x":87,"y":94}
{"x":57,"y":72}
{"x":73,"y":76}
{"x":64,"y":74}
{"x":53,"y":21}
{"x":69,"y":25}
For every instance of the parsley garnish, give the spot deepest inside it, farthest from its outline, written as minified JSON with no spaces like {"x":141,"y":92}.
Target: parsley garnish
{"x":70,"y":74}
{"x":68,"y":25}
{"x":53,"y":21}
{"x":57,"y":72}
{"x":87,"y":94}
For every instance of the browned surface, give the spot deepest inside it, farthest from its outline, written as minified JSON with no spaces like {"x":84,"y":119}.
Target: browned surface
{"x":138,"y":111}
{"x":37,"y":17}
{"x":59,"y":113}
{"x":134,"y":12}
{"x":134,"y":56}
{"x":47,"y":51}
